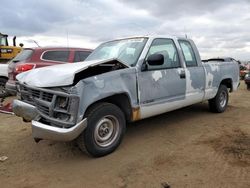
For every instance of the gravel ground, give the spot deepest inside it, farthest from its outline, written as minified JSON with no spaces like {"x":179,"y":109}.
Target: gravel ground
{"x":190,"y":147}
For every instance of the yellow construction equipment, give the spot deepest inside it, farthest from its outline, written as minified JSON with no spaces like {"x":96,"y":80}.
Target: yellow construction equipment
{"x":8,"y":52}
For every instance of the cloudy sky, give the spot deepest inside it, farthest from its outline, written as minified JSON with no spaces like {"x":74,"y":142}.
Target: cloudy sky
{"x":218,"y":27}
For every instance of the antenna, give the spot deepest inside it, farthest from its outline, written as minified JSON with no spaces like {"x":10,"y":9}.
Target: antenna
{"x":36,"y":43}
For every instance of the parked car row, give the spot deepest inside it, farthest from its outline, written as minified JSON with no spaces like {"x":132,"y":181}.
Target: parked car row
{"x":31,"y":58}
{"x":244,"y":69}
{"x":245,"y":74}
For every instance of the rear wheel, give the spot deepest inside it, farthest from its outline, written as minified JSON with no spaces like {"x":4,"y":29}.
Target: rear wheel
{"x":219,"y":103}
{"x":105,"y":130}
{"x":3,"y":92}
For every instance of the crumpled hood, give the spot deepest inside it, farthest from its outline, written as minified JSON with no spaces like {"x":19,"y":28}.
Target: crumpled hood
{"x":56,"y":75}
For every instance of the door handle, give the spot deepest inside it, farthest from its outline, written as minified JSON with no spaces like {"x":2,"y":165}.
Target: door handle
{"x":182,"y":75}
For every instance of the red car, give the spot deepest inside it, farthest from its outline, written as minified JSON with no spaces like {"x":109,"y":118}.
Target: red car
{"x":31,"y":58}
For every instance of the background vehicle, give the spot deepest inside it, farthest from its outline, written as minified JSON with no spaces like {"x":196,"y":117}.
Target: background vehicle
{"x":3,"y":79}
{"x":244,"y":69}
{"x":247,"y":80}
{"x":8,"y":52}
{"x":121,"y":81}
{"x":31,"y":58}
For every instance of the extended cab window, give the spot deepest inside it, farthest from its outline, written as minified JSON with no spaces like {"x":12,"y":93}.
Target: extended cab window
{"x":81,"y":55}
{"x":56,"y":56}
{"x":167,"y":48}
{"x":188,"y":53}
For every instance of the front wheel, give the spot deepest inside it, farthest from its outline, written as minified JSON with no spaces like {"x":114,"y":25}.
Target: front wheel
{"x":105,"y":130}
{"x":219,"y":103}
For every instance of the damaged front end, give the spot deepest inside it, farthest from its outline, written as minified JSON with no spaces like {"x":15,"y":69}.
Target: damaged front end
{"x":53,"y":113}
{"x":57,"y":109}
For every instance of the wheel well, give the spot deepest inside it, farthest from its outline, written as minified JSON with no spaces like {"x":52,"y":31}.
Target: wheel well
{"x":4,"y":77}
{"x":120,"y":100}
{"x":227,"y":82}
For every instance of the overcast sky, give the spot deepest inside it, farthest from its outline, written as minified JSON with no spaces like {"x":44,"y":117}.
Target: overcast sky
{"x":219,"y":28}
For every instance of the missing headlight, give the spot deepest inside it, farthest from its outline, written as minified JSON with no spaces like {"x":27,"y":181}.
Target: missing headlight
{"x":62,"y":102}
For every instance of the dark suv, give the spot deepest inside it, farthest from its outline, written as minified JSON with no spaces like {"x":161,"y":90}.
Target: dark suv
{"x":31,"y":58}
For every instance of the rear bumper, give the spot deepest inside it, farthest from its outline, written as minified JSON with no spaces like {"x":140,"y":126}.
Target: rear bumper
{"x":44,"y":131}
{"x":11,"y":88}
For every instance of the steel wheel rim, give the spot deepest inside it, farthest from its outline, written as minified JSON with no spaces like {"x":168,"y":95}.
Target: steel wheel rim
{"x":223,"y":99}
{"x":106,"y":131}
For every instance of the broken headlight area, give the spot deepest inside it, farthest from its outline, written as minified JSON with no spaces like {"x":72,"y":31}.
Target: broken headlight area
{"x":65,"y":108}
{"x":56,"y":108}
{"x":62,"y":102}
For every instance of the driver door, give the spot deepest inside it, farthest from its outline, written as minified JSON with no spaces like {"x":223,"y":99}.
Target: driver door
{"x":161,"y":87}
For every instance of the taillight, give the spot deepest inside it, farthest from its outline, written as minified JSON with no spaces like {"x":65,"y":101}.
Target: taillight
{"x":24,"y":67}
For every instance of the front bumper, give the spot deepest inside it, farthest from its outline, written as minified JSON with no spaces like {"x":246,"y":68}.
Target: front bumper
{"x":44,"y":131}
{"x":47,"y":132}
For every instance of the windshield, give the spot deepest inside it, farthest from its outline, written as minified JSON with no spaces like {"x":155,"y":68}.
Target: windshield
{"x":125,"y":50}
{"x":23,"y":55}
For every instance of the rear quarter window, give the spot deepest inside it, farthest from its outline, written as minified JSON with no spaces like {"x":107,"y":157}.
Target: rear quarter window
{"x":188,"y":53}
{"x":61,"y":56}
{"x":23,"y":55}
{"x":81,"y":55}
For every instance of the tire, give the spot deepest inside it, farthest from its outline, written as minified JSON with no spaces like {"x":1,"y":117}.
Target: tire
{"x":105,"y":130}
{"x":219,"y":103}
{"x":3,"y":92}
{"x":248,"y":86}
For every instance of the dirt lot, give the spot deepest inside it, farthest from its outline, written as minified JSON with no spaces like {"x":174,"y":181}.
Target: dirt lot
{"x":190,"y":147}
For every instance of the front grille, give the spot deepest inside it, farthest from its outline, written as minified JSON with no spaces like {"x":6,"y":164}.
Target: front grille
{"x":46,"y":102}
{"x":35,"y":93}
{"x":47,"y":96}
{"x":29,"y":95}
{"x":43,"y":109}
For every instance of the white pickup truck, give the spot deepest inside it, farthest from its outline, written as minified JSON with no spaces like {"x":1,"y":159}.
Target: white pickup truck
{"x":3,"y":79}
{"x":122,"y":81}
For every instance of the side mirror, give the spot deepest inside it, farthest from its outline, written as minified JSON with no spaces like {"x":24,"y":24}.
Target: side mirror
{"x":155,"y":59}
